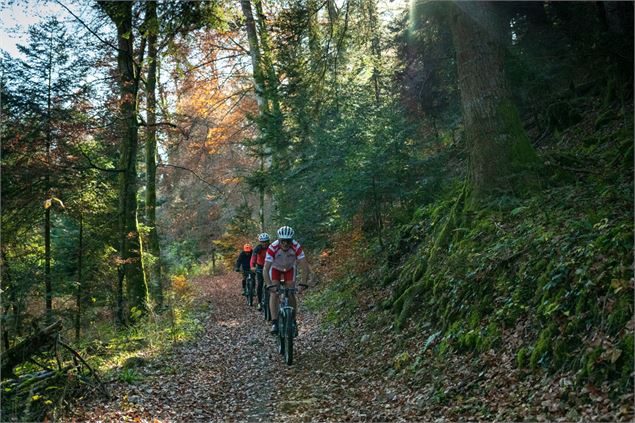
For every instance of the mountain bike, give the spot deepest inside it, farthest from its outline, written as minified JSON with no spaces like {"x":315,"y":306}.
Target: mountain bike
{"x":286,"y":322}
{"x":250,"y":289}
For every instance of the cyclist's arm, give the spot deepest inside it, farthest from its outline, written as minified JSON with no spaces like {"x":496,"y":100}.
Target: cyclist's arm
{"x":252,"y":262}
{"x":237,"y":265}
{"x":304,"y":267}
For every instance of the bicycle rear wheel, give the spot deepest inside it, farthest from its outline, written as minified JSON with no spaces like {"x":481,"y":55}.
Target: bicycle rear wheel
{"x":250,"y":292}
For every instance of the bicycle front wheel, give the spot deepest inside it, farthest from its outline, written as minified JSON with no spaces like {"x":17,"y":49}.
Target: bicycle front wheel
{"x":288,"y":341}
{"x":281,"y":334}
{"x":265,"y":305}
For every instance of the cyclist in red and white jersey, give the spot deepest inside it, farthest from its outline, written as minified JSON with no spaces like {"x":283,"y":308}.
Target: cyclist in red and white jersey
{"x":258,"y":263}
{"x":281,"y":261}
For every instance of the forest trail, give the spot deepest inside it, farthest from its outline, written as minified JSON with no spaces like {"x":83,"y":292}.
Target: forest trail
{"x":232,"y":372}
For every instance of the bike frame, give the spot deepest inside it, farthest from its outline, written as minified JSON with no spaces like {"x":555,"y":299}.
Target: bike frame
{"x":264,"y":299}
{"x":286,"y":319}
{"x":250,"y":285}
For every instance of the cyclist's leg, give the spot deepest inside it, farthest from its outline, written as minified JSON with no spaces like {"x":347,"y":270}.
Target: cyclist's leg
{"x":274,"y":275}
{"x":260,"y":280}
{"x":244,"y":282}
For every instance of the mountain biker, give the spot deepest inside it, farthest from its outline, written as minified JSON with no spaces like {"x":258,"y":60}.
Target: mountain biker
{"x":281,"y":261}
{"x":242,"y":263}
{"x":258,"y":263}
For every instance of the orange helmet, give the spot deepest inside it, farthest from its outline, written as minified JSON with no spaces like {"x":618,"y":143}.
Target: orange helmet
{"x":247,"y":248}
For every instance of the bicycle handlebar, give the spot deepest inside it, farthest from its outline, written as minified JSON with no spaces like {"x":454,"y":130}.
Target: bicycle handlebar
{"x":280,"y":289}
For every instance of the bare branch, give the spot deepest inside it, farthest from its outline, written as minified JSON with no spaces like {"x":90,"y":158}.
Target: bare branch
{"x":193,"y":173}
{"x":86,"y":26}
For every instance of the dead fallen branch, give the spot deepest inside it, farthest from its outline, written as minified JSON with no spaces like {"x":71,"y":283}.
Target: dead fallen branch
{"x":32,"y":345}
{"x":37,"y":395}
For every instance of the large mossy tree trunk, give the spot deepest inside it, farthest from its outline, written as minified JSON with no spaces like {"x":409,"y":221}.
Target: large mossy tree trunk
{"x":132,"y":275}
{"x":151,"y":152}
{"x":502,"y":158}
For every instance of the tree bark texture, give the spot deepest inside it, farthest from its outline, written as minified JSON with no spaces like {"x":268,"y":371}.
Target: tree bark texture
{"x":133,"y":276}
{"x":501,"y":157}
{"x":151,"y":152}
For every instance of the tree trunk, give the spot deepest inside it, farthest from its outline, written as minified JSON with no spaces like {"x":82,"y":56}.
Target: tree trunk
{"x":261,"y":194}
{"x":271,"y":86}
{"x":47,"y":263}
{"x":265,"y":85}
{"x":47,"y":211}
{"x":213,"y":260}
{"x":130,"y":249}
{"x":375,"y":46}
{"x":501,"y":157}
{"x":78,"y":299}
{"x":151,"y":151}
{"x":617,"y":14}
{"x":256,"y":62}
{"x":8,"y":287}
{"x":314,"y":32}
{"x":379,"y":221}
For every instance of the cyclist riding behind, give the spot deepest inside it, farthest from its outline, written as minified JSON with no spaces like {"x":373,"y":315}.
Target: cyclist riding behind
{"x":243,"y":263}
{"x":258,"y":263}
{"x":281,"y":261}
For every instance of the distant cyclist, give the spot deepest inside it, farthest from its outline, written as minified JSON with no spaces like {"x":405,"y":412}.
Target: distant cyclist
{"x":243,"y":263}
{"x":281,"y":261}
{"x":258,"y":263}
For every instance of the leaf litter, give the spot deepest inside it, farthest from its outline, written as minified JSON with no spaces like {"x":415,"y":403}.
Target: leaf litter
{"x":353,"y":372}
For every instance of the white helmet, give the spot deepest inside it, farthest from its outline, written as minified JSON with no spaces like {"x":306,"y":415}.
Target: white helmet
{"x":263,"y":237}
{"x":285,"y":233}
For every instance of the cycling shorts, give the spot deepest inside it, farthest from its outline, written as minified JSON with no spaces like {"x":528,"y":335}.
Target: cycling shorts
{"x":277,"y":275}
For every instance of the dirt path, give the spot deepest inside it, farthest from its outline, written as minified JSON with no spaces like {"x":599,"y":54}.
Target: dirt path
{"x":233,"y":372}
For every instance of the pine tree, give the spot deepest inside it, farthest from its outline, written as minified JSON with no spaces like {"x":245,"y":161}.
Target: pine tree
{"x":50,"y":81}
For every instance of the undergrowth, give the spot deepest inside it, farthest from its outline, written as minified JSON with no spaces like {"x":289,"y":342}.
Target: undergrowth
{"x":111,"y":350}
{"x":557,"y":264}
{"x":114,"y":353}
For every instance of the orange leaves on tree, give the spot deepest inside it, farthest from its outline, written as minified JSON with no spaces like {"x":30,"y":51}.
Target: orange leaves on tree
{"x":345,"y":256}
